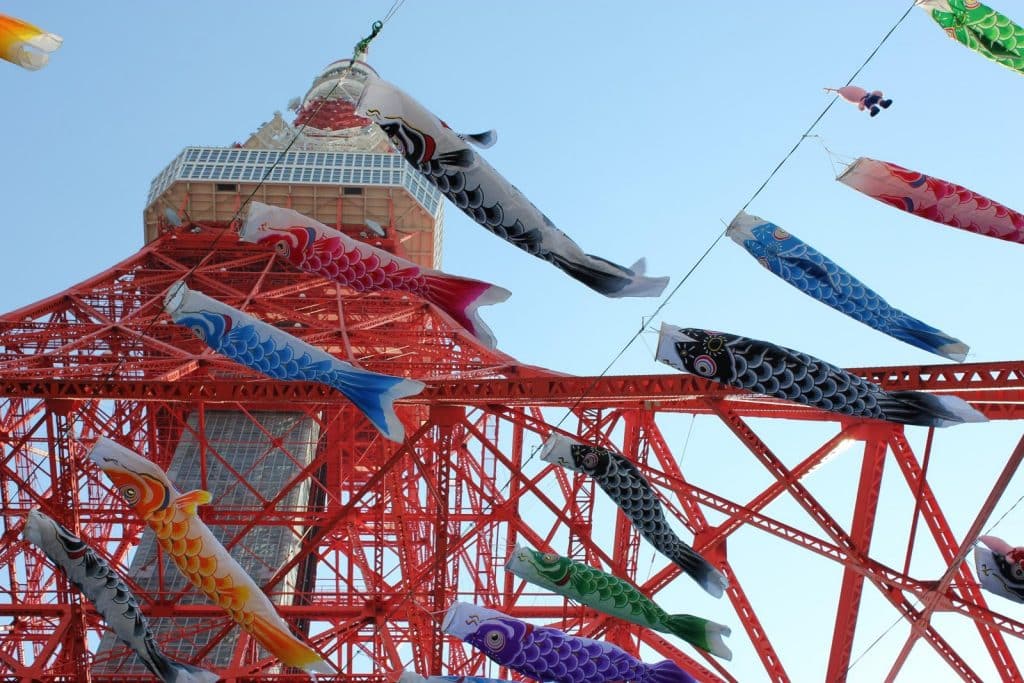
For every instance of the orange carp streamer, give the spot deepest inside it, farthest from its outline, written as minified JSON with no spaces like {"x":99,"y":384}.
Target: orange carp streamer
{"x":26,"y":45}
{"x":198,"y":553}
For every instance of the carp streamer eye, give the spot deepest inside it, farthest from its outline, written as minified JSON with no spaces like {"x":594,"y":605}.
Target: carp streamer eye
{"x":495,"y":640}
{"x":704,"y":365}
{"x":590,"y":460}
{"x":549,"y":557}
{"x":780,"y":234}
{"x":130,"y":494}
{"x":282,"y":248}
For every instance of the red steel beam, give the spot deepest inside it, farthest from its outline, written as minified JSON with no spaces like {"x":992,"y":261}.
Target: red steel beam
{"x":948,"y":547}
{"x":1005,"y":665}
{"x":713,"y":548}
{"x":852,"y":587}
{"x":61,"y":349}
{"x":665,"y":393}
{"x":838,"y":534}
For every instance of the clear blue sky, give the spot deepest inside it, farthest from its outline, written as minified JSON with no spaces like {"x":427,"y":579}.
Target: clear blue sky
{"x":637,"y":127}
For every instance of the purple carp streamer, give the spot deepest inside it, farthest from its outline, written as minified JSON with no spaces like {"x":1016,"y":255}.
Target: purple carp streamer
{"x":461,"y":174}
{"x":115,"y":602}
{"x":765,"y":368}
{"x":315,"y":248}
{"x":410,"y":677}
{"x":275,"y":353}
{"x":547,"y":654}
{"x":631,"y":491}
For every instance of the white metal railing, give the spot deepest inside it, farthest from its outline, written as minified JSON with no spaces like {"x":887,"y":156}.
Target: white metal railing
{"x":236,"y":165}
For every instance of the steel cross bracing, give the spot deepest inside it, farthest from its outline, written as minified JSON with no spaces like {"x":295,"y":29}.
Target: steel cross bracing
{"x":392,"y":534}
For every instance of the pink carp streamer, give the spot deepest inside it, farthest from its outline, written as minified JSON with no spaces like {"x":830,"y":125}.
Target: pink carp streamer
{"x":315,"y":248}
{"x":935,"y":199}
{"x":871,"y":102}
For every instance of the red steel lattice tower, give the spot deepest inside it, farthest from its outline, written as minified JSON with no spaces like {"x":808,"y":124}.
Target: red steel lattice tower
{"x":364,"y":543}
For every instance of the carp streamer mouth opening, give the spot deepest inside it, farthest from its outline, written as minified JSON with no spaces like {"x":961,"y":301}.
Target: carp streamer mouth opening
{"x":461,"y":620}
{"x":517,"y":556}
{"x":175,"y":298}
{"x":449,"y":618}
{"x":548,"y":453}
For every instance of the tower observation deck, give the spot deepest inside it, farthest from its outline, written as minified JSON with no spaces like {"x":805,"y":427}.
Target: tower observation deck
{"x":340,"y":170}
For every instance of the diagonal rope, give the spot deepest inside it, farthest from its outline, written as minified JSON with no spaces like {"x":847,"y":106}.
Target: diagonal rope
{"x":359,"y":48}
{"x":1003,"y":516}
{"x":876,"y":641}
{"x":803,"y":136}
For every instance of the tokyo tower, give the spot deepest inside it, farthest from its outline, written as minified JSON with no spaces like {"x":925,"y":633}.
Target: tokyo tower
{"x":363,"y":543}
